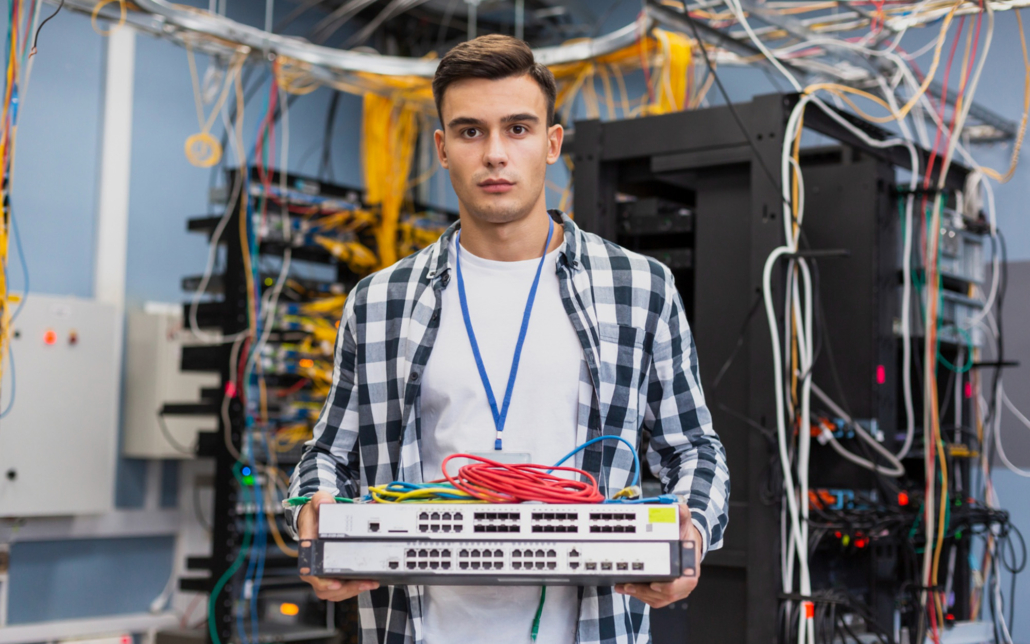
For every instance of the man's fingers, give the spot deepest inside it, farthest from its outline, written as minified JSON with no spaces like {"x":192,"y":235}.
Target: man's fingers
{"x":659,"y":594}
{"x":338,"y":590}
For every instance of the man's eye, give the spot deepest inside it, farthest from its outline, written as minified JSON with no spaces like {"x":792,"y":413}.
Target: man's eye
{"x":519,"y":129}
{"x":471,"y":132}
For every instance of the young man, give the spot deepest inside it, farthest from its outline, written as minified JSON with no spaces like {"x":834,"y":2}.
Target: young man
{"x":606,"y":351}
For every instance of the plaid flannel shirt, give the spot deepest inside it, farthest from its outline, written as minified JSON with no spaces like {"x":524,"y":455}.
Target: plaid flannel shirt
{"x":642,"y":374}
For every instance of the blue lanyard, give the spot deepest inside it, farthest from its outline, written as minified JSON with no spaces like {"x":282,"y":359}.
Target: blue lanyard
{"x":499,"y":415}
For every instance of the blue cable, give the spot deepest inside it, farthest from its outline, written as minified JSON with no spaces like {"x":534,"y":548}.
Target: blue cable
{"x":261,"y":546}
{"x":24,"y":266}
{"x":636,"y":457}
{"x":14,"y":380}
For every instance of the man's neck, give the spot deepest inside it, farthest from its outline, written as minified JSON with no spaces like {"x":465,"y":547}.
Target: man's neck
{"x":511,"y":241}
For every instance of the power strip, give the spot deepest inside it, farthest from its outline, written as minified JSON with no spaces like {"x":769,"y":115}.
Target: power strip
{"x":502,"y":562}
{"x":455,"y":522}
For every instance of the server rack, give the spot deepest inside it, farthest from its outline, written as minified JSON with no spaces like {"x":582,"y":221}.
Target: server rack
{"x":228,"y":314}
{"x":701,"y":165}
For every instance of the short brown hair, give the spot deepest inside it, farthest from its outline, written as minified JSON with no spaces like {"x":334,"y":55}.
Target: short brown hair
{"x":493,"y":57}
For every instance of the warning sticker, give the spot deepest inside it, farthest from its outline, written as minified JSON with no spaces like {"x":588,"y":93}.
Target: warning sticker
{"x":662,"y":515}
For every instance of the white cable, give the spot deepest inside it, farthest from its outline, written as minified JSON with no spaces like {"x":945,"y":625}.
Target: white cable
{"x":1002,"y":396}
{"x":738,"y":12}
{"x":781,"y":429}
{"x":896,"y":469}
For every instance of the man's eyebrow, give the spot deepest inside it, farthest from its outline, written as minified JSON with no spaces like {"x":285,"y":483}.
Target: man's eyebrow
{"x":465,"y":120}
{"x":511,"y":118}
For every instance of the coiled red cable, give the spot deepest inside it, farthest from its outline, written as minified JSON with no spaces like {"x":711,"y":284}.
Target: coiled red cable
{"x":495,"y":482}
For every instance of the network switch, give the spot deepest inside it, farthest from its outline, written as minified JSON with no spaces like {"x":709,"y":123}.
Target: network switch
{"x":587,"y":522}
{"x":491,"y":561}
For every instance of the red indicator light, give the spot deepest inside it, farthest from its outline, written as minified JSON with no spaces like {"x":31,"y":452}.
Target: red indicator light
{"x":49,"y":337}
{"x":969,"y":389}
{"x":809,"y":610}
{"x":881,"y":374}
{"x":902,"y":498}
{"x":230,"y":390}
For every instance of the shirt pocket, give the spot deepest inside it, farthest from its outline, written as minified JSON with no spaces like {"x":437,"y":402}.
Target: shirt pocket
{"x":623,"y":360}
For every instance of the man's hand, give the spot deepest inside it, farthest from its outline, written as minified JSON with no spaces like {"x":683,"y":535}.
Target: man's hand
{"x":659,"y":595}
{"x":334,"y":590}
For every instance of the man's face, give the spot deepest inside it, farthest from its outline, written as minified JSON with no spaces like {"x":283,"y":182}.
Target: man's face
{"x":497,"y":146}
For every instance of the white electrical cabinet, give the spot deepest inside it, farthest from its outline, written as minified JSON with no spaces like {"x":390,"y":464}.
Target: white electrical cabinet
{"x":154,"y":340}
{"x":58,"y":442}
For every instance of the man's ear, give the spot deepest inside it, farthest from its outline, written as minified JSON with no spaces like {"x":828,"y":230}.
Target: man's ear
{"x":441,"y":148}
{"x":555,"y":135}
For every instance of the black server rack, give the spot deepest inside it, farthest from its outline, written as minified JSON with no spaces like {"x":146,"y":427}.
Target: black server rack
{"x":689,"y":189}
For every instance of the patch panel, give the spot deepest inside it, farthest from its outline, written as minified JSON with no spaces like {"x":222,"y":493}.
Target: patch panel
{"x":611,"y":522}
{"x":495,"y":561}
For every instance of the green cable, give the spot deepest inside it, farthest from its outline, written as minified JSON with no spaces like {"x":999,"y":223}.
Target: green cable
{"x":212,"y":627}
{"x":539,"y":612}
{"x":294,"y":501}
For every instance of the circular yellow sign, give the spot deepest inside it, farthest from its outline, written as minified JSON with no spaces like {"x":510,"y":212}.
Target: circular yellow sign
{"x":203,"y":150}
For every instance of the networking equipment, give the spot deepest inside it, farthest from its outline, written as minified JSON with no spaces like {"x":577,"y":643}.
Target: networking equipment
{"x":493,"y":561}
{"x":529,"y":543}
{"x":566,"y":522}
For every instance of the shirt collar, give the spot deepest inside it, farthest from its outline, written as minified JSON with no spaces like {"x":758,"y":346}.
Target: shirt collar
{"x":441,"y":262}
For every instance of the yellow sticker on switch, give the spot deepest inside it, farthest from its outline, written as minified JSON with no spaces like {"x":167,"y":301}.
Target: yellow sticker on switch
{"x":661,"y":515}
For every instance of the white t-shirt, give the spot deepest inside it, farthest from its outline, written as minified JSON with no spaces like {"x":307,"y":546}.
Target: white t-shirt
{"x":541,"y":421}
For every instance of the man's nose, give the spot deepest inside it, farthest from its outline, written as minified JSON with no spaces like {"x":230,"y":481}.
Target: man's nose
{"x":496,"y":152}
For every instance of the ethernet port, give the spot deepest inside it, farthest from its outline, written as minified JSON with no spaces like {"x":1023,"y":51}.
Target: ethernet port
{"x":516,"y":565}
{"x":373,"y":526}
{"x":516,"y":553}
{"x":457,"y":516}
{"x":447,"y":528}
{"x":445,"y":553}
{"x":622,"y":565}
{"x":423,"y":553}
{"x":434,"y":564}
{"x":539,"y":565}
{"x":539,"y":553}
{"x":423,"y":565}
{"x":475,"y":553}
{"x":551,"y":565}
{"x":638,"y":565}
{"x":435,"y":516}
{"x":434,"y":553}
{"x":552,"y":553}
{"x":464,"y":565}
{"x":573,"y":565}
{"x":436,"y":528}
{"x":573,"y":553}
{"x":590,"y":565}
{"x":498,"y":553}
{"x":411,"y":553}
{"x":475,"y":565}
{"x":423,"y":528}
{"x":606,"y":565}
{"x":411,"y":565}
{"x":446,"y":565}
{"x":424,"y":516}
{"x":446,"y":516}
{"x":394,"y":565}
{"x":463,"y":553}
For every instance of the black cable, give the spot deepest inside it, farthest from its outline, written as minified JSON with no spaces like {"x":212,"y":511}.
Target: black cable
{"x":204,"y":523}
{"x":733,"y":111}
{"x":740,"y":340}
{"x":326,"y":172}
{"x":35,"y":39}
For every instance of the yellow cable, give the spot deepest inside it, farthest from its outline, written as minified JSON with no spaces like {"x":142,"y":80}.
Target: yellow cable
{"x":994,"y":174}
{"x":96,"y":13}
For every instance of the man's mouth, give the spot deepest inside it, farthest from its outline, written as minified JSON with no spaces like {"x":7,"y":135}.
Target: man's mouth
{"x":496,"y":186}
